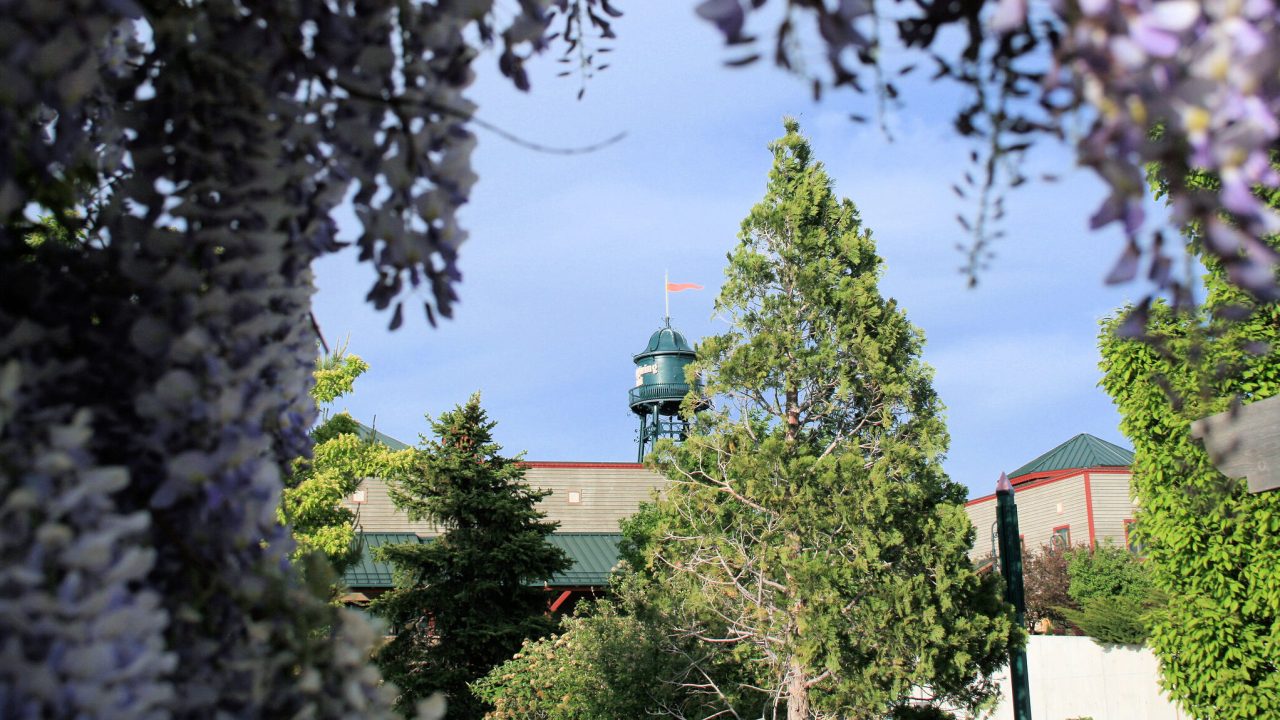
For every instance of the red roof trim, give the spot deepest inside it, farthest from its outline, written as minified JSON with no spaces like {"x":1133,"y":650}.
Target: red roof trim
{"x":1030,"y":483}
{"x":1033,"y":480}
{"x":600,"y":465}
{"x":1028,"y":477}
{"x":1047,"y":475}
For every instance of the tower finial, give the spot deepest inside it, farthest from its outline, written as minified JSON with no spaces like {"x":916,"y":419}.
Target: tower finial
{"x":666,"y":297}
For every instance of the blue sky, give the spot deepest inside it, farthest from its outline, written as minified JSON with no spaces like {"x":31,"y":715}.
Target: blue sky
{"x":562,"y":274}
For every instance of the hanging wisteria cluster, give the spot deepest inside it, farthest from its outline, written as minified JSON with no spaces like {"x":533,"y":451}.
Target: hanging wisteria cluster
{"x":1190,"y":85}
{"x":1209,"y":73}
{"x":168,"y":173}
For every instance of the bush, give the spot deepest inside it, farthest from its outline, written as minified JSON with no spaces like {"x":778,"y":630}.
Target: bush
{"x":1106,"y":571}
{"x":1113,"y":594}
{"x":1046,"y":582}
{"x":1113,"y":620}
{"x":602,"y":665}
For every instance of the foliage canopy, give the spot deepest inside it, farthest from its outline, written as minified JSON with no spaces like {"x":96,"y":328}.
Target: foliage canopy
{"x":153,"y":391}
{"x":341,"y":459}
{"x":1213,"y":548}
{"x":155,"y":367}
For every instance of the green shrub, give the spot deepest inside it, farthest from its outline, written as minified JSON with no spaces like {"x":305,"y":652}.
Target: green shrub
{"x":1106,"y":571}
{"x":1112,"y":620}
{"x":1113,"y":594}
{"x":602,"y":665}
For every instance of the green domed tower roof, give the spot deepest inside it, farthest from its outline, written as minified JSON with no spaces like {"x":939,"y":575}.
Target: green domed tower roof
{"x":666,"y":339}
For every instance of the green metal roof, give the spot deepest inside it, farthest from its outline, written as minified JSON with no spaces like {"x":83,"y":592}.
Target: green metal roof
{"x":666,"y":339}
{"x":368,"y":572}
{"x":593,"y":556}
{"x":367,"y":433}
{"x":1081,"y":451}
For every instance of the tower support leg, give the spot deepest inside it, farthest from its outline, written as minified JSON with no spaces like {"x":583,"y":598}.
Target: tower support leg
{"x":643,"y":439}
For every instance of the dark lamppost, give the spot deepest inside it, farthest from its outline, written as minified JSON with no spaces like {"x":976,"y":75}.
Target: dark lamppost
{"x":1010,"y":548}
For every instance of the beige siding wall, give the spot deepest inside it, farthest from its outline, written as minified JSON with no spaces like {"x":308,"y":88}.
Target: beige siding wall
{"x":982,"y":515}
{"x":377,"y":514}
{"x":1112,"y":505}
{"x":606,"y":495}
{"x":1038,"y":514}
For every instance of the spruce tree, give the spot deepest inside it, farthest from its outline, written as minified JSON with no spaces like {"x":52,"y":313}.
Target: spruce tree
{"x":466,"y":600}
{"x":809,"y":544}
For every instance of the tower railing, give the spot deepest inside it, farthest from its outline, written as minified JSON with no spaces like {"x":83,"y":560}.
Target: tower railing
{"x":657,"y":391}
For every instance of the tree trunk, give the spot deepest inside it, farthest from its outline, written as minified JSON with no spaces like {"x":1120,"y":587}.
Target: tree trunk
{"x":797,"y":692}
{"x":793,"y":413}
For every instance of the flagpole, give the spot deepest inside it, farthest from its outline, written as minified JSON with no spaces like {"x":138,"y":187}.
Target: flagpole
{"x":666,"y":297}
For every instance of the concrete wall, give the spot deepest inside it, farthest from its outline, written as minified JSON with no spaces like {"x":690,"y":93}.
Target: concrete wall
{"x":1074,"y":677}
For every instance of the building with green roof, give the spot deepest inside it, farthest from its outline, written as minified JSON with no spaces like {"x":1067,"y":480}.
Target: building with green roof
{"x":1074,"y":494}
{"x":587,"y":499}
{"x":1081,"y":451}
{"x":594,"y":556}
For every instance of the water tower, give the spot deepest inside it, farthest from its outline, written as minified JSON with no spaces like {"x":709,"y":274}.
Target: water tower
{"x":660,"y":388}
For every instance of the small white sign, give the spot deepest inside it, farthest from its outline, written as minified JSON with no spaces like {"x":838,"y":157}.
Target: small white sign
{"x":642,"y":370}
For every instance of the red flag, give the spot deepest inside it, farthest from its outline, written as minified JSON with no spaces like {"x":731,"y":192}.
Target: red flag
{"x":677,"y":287}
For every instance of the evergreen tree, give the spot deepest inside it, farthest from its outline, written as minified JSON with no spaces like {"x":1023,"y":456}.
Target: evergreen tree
{"x":809,"y":540}
{"x":466,"y":600}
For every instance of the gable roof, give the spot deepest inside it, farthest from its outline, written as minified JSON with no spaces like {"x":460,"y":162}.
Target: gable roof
{"x":367,"y":433}
{"x":593,"y":556}
{"x":1081,"y":451}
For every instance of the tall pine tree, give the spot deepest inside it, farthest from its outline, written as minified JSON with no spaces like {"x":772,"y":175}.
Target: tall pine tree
{"x":466,"y":600}
{"x":809,"y":541}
